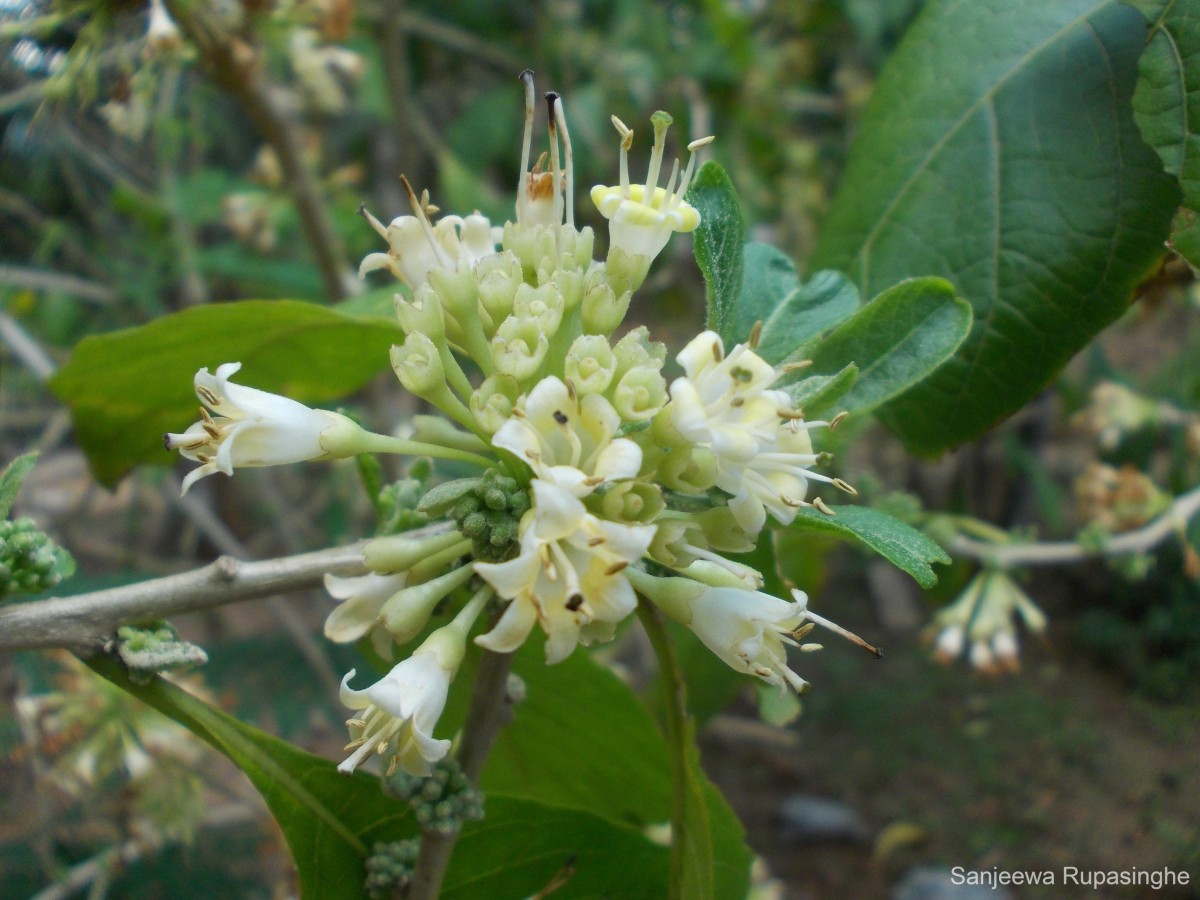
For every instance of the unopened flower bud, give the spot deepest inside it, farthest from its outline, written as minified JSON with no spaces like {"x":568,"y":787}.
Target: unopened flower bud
{"x":519,"y":347}
{"x":603,"y":310}
{"x":493,"y":402}
{"x":632,"y":501}
{"x":418,"y":365}
{"x":640,"y":394}
{"x":407,"y":611}
{"x":545,"y":304}
{"x":423,"y":313}
{"x":497,"y":279}
{"x":590,"y":364}
{"x":400,"y":552}
{"x":689,"y":470}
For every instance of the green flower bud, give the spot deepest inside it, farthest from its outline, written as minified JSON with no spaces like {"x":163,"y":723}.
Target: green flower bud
{"x":636,"y":350}
{"x":493,"y":401}
{"x":640,"y":394}
{"x":496,"y":279}
{"x":422,"y":314}
{"x":390,"y":868}
{"x":633,"y":502}
{"x":688,"y":470}
{"x":519,"y":347}
{"x":399,"y":553}
{"x":545,"y":304}
{"x":626,"y":271}
{"x":723,"y":532}
{"x":457,"y":291}
{"x":603,"y":309}
{"x":418,"y":365}
{"x":590,"y":364}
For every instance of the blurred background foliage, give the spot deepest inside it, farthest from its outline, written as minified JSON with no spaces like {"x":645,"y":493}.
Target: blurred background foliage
{"x":143,"y":173}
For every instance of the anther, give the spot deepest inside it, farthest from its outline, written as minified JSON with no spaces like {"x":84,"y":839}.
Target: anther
{"x":838,"y":419}
{"x":820,"y":505}
{"x":843,"y":486}
{"x":755,"y":335}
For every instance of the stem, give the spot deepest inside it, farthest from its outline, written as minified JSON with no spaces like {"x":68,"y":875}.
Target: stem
{"x":384,"y":443}
{"x":677,"y":734}
{"x":85,"y":621}
{"x":1140,"y":540}
{"x":488,"y":713}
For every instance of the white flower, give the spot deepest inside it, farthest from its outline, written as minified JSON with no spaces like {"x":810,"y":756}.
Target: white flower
{"x":982,"y":623}
{"x":416,"y":246}
{"x":642,"y":217}
{"x":568,"y":440}
{"x":568,"y":576}
{"x":402,"y":709}
{"x":762,"y":448}
{"x":162,"y":34}
{"x":749,"y":631}
{"x":361,"y":604}
{"x":256,"y":428}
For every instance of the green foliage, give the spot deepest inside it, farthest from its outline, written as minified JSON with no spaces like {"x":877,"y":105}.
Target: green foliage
{"x":999,"y":151}
{"x":793,"y":314}
{"x":895,"y":341}
{"x":127,"y":388}
{"x":330,"y":820}
{"x":717,"y":244}
{"x":1166,"y":106}
{"x":900,"y":544}
{"x":10,"y":480}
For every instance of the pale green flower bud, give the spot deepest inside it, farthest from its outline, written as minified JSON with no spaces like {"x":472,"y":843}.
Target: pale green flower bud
{"x":493,"y":402}
{"x":723,"y":532}
{"x":422,"y":314}
{"x":545,"y":304}
{"x":636,"y":349}
{"x":519,"y":347}
{"x":407,"y":611}
{"x":603,"y":310}
{"x":590,"y":364}
{"x":459,"y":296}
{"x":665,"y":433}
{"x":640,"y":394}
{"x":497,"y":279}
{"x":674,"y":540}
{"x":418,"y":365}
{"x":689,"y":470}
{"x":533,"y":245}
{"x":632,"y":501}
{"x":400,"y":552}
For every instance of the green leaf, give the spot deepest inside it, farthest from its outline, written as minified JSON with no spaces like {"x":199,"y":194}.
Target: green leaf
{"x":999,"y":151}
{"x":898,"y":543}
{"x":1166,"y":104}
{"x":717,"y":244}
{"x":581,"y":740}
{"x":801,"y":311}
{"x":10,"y":480}
{"x":896,"y":340}
{"x":820,"y":392}
{"x":331,"y":820}
{"x":127,"y":388}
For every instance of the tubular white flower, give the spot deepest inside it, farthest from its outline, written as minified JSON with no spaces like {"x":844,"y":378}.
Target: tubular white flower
{"x":568,"y":576}
{"x":360,"y":604}
{"x":257,"y":428}
{"x":749,"y":631}
{"x":982,"y":624}
{"x":402,"y":708}
{"x":568,"y":439}
{"x":762,"y":448}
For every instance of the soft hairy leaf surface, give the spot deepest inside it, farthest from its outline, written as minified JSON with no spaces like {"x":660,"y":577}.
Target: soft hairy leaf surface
{"x":717,"y":243}
{"x":999,"y":151}
{"x":803,"y":312}
{"x":900,"y":544}
{"x":896,"y":340}
{"x":10,"y":480}
{"x":1166,"y":105}
{"x":127,"y":388}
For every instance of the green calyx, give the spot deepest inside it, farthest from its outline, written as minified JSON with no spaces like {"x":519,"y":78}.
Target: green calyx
{"x":30,"y":562}
{"x":390,"y":868}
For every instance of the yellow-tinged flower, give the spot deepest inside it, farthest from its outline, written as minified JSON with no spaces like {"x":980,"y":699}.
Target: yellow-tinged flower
{"x":569,"y":440}
{"x":257,"y":428}
{"x":763,"y":451}
{"x":569,"y":576}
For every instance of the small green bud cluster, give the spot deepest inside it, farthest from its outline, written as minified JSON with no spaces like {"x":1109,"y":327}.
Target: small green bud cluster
{"x":443,"y":801}
{"x":390,"y":868}
{"x":29,"y":561}
{"x":490,"y":515}
{"x":397,"y":507}
{"x":150,"y":649}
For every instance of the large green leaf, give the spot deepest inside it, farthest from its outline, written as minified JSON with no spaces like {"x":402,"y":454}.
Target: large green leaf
{"x":900,"y":544}
{"x":896,"y":340}
{"x":127,"y":388}
{"x":1166,"y":105}
{"x":331,"y":821}
{"x":581,"y":740}
{"x":717,"y":243}
{"x":999,"y":151}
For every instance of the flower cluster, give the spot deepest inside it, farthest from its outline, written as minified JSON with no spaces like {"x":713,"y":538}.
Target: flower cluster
{"x":601,"y":480}
{"x":981,"y":624}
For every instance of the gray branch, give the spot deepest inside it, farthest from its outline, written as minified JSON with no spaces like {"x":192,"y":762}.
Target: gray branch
{"x":86,"y":621}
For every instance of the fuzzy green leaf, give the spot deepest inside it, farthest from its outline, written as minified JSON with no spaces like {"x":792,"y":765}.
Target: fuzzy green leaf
{"x":10,"y":481}
{"x":804,"y":312}
{"x":717,"y":244}
{"x":999,"y":151}
{"x":127,"y":388}
{"x":896,"y":340}
{"x":1166,"y":105}
{"x":900,"y":544}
